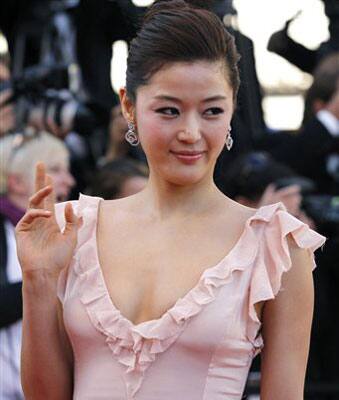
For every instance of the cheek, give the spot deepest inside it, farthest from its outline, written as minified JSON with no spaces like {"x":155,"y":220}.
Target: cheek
{"x":216,"y":134}
{"x":154,"y":132}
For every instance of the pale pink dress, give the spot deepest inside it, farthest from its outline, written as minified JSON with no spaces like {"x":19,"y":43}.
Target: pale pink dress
{"x":203,"y":346}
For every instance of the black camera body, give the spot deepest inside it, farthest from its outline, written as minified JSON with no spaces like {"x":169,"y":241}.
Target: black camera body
{"x":44,"y":100}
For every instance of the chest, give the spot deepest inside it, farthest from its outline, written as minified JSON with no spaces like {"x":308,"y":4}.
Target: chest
{"x":148,"y":268}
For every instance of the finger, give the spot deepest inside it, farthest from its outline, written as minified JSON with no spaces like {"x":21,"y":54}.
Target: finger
{"x":72,"y":221}
{"x":5,"y":95}
{"x":37,"y":199}
{"x":69,"y":214}
{"x":50,"y":199}
{"x":32,"y":215}
{"x":39,"y":176}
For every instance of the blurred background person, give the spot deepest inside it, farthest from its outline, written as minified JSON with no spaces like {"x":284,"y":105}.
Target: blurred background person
{"x":302,"y":57}
{"x":255,"y":179}
{"x":117,"y":146}
{"x":18,"y":155}
{"x":118,"y":178}
{"x":313,"y":151}
{"x":7,"y":120}
{"x":317,"y":149}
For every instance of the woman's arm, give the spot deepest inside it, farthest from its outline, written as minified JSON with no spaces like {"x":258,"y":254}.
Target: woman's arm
{"x":286,"y":331}
{"x":46,"y":358}
{"x":43,"y":252}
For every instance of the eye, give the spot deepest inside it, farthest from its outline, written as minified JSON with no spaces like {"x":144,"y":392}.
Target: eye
{"x":171,"y":111}
{"x":214,"y":111}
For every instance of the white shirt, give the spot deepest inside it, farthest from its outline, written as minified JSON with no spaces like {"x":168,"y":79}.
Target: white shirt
{"x":10,"y":337}
{"x":331,"y":123}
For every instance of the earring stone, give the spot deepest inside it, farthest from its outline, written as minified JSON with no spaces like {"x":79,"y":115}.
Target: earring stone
{"x":131,"y":136}
{"x":229,"y":140}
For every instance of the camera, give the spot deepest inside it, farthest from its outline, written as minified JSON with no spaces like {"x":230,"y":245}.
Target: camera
{"x":44,"y":98}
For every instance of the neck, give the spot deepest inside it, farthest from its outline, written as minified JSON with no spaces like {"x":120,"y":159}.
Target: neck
{"x":165,"y":200}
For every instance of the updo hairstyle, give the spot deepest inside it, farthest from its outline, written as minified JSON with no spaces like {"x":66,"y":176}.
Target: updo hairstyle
{"x":179,"y":31}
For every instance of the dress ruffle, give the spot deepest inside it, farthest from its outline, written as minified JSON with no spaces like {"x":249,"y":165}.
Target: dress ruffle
{"x":60,"y":218}
{"x":136,"y":346}
{"x":274,"y":260}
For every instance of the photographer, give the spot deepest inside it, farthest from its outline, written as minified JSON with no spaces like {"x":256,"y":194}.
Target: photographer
{"x":299,"y":55}
{"x":255,"y":179}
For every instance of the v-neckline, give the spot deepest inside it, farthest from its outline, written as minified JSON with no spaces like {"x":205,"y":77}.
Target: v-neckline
{"x":205,"y":272}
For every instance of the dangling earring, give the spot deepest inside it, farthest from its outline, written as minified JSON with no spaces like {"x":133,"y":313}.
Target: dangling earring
{"x":229,"y":140}
{"x":131,"y":136}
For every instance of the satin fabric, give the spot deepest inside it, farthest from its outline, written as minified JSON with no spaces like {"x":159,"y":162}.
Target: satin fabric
{"x":203,"y":346}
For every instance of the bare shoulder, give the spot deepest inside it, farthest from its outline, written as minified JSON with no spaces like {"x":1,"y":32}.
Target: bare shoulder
{"x":118,"y":208}
{"x":240,"y":211}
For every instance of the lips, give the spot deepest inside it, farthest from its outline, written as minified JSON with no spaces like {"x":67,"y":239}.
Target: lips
{"x":188,"y":153}
{"x":188,"y":157}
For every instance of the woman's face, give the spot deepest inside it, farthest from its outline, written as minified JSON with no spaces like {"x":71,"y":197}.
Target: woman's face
{"x":185,"y":107}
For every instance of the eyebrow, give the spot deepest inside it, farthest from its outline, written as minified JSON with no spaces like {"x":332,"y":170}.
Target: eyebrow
{"x":176,"y":100}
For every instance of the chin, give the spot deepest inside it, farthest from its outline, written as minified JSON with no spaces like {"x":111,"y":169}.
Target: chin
{"x":184,"y":179}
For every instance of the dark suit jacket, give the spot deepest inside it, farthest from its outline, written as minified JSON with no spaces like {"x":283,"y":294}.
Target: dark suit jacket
{"x":314,"y":145}
{"x":306,"y":152}
{"x":10,"y":293}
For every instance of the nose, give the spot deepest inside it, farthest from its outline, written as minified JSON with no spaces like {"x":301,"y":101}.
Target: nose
{"x":190,"y":132}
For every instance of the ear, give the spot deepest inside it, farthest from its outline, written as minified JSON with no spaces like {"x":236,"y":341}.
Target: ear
{"x":127,"y":107}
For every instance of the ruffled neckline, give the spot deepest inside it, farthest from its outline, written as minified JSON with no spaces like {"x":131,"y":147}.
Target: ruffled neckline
{"x":136,"y":345}
{"x":235,"y":259}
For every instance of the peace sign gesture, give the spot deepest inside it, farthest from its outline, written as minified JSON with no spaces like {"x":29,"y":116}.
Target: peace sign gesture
{"x":40,"y":243}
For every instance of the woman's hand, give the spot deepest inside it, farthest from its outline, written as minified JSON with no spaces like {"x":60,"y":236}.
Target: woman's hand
{"x":41,"y":246}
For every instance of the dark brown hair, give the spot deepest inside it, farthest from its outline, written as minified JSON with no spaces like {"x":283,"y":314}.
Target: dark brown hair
{"x":108,"y":181}
{"x":179,"y":31}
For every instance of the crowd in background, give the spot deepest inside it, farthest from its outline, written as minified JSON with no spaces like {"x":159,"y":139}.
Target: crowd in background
{"x":300,"y":169}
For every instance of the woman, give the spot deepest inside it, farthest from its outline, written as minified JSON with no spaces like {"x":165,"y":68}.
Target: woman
{"x":150,"y":305}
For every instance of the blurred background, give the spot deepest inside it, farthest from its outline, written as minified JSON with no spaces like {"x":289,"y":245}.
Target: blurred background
{"x":283,"y":83}
{"x":62,"y":63}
